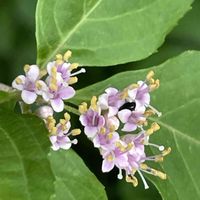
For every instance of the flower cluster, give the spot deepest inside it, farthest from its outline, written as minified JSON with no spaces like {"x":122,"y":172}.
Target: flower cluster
{"x":125,"y":111}
{"x":49,"y":88}
{"x":55,"y":86}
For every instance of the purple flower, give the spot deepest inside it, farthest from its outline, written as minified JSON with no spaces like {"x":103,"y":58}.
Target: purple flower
{"x":110,"y":101}
{"x":26,"y":84}
{"x":140,"y":94}
{"x":63,"y":72}
{"x":106,"y":141}
{"x":60,"y":142}
{"x":117,"y":157}
{"x":131,"y":118}
{"x":57,"y":96}
{"x":92,"y":121}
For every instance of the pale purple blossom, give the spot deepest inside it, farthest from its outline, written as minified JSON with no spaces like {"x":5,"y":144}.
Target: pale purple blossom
{"x":27,"y":84}
{"x":117,"y":157}
{"x":110,"y":101}
{"x":140,"y":94}
{"x":92,"y":121}
{"x":131,"y":119}
{"x":106,"y":140}
{"x":56,"y":97}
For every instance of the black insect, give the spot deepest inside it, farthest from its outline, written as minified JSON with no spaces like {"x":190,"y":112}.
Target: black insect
{"x":128,"y":105}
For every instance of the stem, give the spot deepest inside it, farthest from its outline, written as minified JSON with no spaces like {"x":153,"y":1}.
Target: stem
{"x":5,"y":88}
{"x":72,"y":110}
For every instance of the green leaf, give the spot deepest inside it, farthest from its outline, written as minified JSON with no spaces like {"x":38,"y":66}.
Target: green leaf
{"x":28,"y":173}
{"x":8,"y":99}
{"x":104,"y":32}
{"x":73,"y":179}
{"x":25,"y":172}
{"x":179,"y":100}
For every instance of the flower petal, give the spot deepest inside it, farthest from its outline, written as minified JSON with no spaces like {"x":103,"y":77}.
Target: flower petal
{"x":33,"y":73}
{"x":128,"y":127}
{"x":28,"y":97}
{"x":90,"y":131}
{"x":21,"y":85}
{"x":57,"y":104}
{"x":124,"y":115}
{"x":66,"y":92}
{"x":107,"y":165}
{"x":111,"y":91}
{"x":49,"y":67}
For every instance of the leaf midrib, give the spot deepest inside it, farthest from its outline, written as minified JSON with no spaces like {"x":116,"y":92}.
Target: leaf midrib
{"x":70,"y":33}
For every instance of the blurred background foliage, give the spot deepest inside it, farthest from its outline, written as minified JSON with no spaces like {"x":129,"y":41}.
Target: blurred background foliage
{"x":18,"y":47}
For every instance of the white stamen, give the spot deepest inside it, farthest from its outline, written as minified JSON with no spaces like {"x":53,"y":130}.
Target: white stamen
{"x":74,"y":141}
{"x":120,"y":176}
{"x":155,"y":110}
{"x":161,"y":148}
{"x":82,"y":70}
{"x":143,"y":180}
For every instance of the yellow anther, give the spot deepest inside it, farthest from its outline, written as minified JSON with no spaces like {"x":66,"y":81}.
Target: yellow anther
{"x":38,"y":85}
{"x":67,"y":55}
{"x":94,"y":103}
{"x":64,"y":127}
{"x":149,"y":113}
{"x":130,"y":146}
{"x":159,"y":174}
{"x":150,"y":75}
{"x":83,"y":108}
{"x":110,"y":158}
{"x":102,"y":130}
{"x":54,"y":70}
{"x":59,"y":62}
{"x":112,"y":128}
{"x":149,"y":131}
{"x":144,"y":166}
{"x":155,"y":126}
{"x":53,"y":87}
{"x":18,"y":80}
{"x":50,"y":126}
{"x":155,"y":85}
{"x":54,"y":130}
{"x":62,"y":121}
{"x":73,"y":66}
{"x":132,"y":179}
{"x":166,"y":151}
{"x":76,"y":132}
{"x":43,"y":72}
{"x":133,"y":86}
{"x":72,"y":80}
{"x":158,"y":159}
{"x":120,"y":146}
{"x":67,"y":116}
{"x":26,"y":68}
{"x":110,"y":135}
{"x":124,"y":94}
{"x":59,"y":57}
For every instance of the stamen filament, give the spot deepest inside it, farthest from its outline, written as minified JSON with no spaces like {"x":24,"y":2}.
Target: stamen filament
{"x":143,"y":180}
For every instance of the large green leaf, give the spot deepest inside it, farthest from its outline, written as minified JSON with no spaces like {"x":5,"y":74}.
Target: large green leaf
{"x":179,"y":100}
{"x":73,"y":180}
{"x":28,"y":173}
{"x":104,"y":32}
{"x":25,"y":172}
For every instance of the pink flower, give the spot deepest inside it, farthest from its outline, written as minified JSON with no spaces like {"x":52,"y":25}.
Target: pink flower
{"x":26,"y":84}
